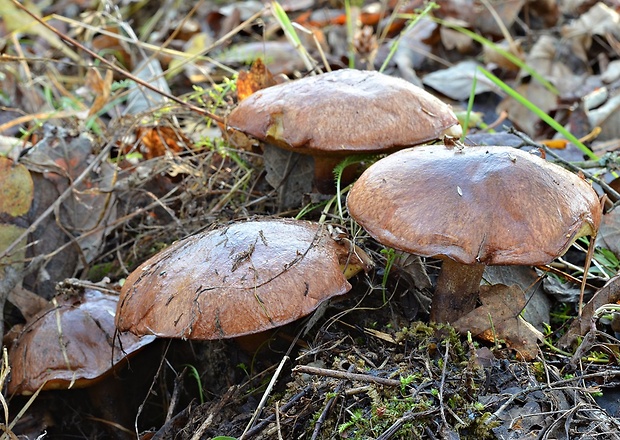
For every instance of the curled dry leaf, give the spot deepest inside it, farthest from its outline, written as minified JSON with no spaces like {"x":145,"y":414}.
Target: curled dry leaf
{"x":499,"y":319}
{"x":100,"y":87}
{"x":608,"y":294}
{"x":257,"y":78}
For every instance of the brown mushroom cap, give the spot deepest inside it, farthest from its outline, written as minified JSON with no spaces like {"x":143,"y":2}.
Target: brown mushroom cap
{"x":239,"y":279}
{"x":72,"y":344}
{"x":472,"y":206}
{"x":344,"y":111}
{"x":491,"y":205}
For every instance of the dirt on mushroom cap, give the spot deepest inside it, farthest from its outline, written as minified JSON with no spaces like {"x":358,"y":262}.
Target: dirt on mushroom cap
{"x":492,"y":205}
{"x":343,"y":110}
{"x":240,"y":279}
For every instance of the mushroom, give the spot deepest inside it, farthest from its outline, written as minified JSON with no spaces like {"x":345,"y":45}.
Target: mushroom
{"x":74,"y":344}
{"x":239,"y":279}
{"x":471,"y":207}
{"x":337,"y":114}
{"x":71,"y":344}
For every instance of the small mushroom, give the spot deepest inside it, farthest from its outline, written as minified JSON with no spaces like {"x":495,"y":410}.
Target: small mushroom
{"x":240,"y":279}
{"x":471,"y":207}
{"x":345,"y":112}
{"x":73,"y":343}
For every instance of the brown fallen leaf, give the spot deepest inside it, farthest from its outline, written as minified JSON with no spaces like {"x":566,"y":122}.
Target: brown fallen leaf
{"x":156,"y":141}
{"x":257,"y":78}
{"x":55,"y":164}
{"x":498,"y":318}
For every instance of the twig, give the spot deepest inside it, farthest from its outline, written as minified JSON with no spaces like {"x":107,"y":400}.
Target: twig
{"x":328,"y":407}
{"x":604,"y":374}
{"x":266,"y":394}
{"x":346,"y":375}
{"x":409,"y":415}
{"x":260,"y":426}
{"x":444,"y":368}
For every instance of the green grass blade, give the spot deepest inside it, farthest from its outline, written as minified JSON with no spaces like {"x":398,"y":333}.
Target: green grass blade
{"x":289,"y":30}
{"x":503,"y":52}
{"x":538,"y":112}
{"x":415,"y":18}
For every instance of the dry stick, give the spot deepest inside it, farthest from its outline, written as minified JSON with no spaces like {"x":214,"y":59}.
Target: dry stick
{"x":328,"y":406}
{"x":443,"y":381}
{"x":266,"y":394}
{"x":260,"y":426}
{"x":151,"y":388}
{"x":604,"y":374}
{"x":118,"y":70}
{"x":407,"y":416}
{"x":346,"y":375}
{"x":272,"y":382}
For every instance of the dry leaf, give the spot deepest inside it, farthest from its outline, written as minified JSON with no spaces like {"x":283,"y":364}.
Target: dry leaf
{"x":55,"y":162}
{"x":609,"y":232}
{"x":157,"y":141}
{"x":16,"y":188}
{"x":498,"y":318}
{"x":457,"y":81}
{"x":100,"y":87}
{"x":257,"y":78}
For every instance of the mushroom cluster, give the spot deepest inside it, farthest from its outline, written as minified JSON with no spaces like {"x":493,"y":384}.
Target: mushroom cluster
{"x":471,"y":207}
{"x":345,"y":112}
{"x":239,"y":279}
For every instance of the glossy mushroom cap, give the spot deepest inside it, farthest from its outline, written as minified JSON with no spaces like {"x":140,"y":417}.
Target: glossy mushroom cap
{"x":490,"y":205}
{"x":343,"y":111}
{"x":336,"y":114}
{"x":240,"y":279}
{"x":472,"y":206}
{"x":73,"y":344}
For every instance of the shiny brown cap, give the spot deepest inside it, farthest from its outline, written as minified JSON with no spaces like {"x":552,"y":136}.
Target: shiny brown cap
{"x":344,"y":111}
{"x":491,"y":205}
{"x":240,"y":279}
{"x":71,"y":344}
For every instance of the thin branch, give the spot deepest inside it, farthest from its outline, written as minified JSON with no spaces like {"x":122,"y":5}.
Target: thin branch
{"x":346,"y":375}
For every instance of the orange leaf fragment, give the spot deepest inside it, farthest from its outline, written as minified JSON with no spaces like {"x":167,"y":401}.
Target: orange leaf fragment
{"x":101,"y":88}
{"x":556,"y":144}
{"x":156,"y":141}
{"x":257,"y":78}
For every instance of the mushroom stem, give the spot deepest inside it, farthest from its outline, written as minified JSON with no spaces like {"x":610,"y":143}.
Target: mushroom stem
{"x":324,"y":179}
{"x":457,"y":290}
